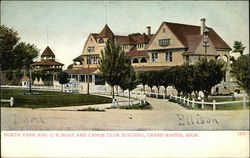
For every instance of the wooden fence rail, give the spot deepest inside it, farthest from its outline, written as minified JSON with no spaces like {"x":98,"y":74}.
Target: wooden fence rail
{"x":214,"y":103}
{"x":11,"y":101}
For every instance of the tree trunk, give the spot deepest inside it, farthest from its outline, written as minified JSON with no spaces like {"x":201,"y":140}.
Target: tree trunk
{"x":144,"y":89}
{"x":166,"y":93}
{"x":116,"y":91}
{"x":62,"y":87}
{"x":113,"y":92}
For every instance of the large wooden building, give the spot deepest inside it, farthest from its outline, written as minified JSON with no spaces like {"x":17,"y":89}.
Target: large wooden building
{"x":172,"y":44}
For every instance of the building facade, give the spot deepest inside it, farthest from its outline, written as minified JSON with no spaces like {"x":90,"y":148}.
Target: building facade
{"x":172,"y":44}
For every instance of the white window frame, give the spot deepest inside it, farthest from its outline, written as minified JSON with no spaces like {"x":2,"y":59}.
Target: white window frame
{"x":164,"y":42}
{"x":169,"y":56}
{"x":154,"y":57}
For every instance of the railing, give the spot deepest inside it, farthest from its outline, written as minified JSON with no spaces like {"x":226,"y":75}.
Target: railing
{"x":192,"y":102}
{"x":11,"y":101}
{"x":42,"y":88}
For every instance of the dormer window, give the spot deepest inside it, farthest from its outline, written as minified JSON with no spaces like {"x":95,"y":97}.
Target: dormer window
{"x":164,"y":42}
{"x":101,"y":40}
{"x":125,"y":46}
{"x":140,"y":45}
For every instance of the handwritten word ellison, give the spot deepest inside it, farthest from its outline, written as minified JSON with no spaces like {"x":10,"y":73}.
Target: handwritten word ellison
{"x":191,"y":119}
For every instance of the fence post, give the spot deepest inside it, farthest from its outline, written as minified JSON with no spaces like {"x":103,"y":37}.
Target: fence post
{"x":202,"y":104}
{"x":214,"y":106}
{"x":187,"y":102}
{"x":113,"y":102}
{"x":140,"y":102}
{"x":117,"y":103}
{"x":244,"y":102}
{"x":11,"y":101}
{"x":184,"y":100}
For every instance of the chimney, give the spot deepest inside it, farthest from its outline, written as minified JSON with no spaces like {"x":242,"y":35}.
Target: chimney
{"x":149,"y":30}
{"x":203,"y":25}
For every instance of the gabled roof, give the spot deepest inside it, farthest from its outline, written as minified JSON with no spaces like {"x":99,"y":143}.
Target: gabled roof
{"x":193,"y":42}
{"x":47,"y":52}
{"x":106,"y":32}
{"x":79,"y":58}
{"x":183,"y":31}
{"x":135,"y":53}
{"x":136,"y":39}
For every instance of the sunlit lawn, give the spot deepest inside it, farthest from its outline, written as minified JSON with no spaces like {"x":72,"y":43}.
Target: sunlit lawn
{"x":50,"y":99}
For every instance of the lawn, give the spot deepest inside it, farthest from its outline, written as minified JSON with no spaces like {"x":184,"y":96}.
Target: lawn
{"x":50,"y":99}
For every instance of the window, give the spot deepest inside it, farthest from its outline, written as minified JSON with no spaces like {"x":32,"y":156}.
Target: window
{"x":155,"y":57}
{"x":169,"y":57}
{"x":143,"y":60}
{"x":135,"y":61}
{"x":91,"y":49}
{"x":164,"y":30}
{"x":125,"y":46}
{"x":140,"y":45}
{"x":91,"y":39}
{"x":101,"y":40}
{"x":164,"y":42}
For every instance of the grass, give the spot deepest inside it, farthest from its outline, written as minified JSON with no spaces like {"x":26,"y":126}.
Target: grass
{"x":236,"y":106}
{"x":146,"y":106}
{"x":50,"y":99}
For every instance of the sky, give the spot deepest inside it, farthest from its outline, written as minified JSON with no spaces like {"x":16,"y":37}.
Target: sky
{"x":65,"y":25}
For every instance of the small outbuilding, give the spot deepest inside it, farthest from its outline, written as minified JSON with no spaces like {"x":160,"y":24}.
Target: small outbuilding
{"x":25,"y":81}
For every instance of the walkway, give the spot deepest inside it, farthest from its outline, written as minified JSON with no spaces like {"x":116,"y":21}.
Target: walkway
{"x":164,"y":116}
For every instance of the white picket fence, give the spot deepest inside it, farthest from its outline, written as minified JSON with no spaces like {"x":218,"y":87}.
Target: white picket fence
{"x":11,"y":101}
{"x":192,"y":102}
{"x":42,"y":88}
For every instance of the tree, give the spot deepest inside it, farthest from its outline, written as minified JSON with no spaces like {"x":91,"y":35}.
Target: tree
{"x":208,"y":73}
{"x":150,"y":81}
{"x":8,"y":40}
{"x":112,"y":64}
{"x":156,"y":77}
{"x":63,"y":78}
{"x":238,"y":47}
{"x":142,"y":78}
{"x":25,"y":53}
{"x":166,"y":79}
{"x":14,"y":56}
{"x":240,"y":70}
{"x":129,"y":81}
{"x":176,"y":74}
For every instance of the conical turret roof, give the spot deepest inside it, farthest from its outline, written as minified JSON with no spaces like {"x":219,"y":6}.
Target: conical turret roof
{"x":48,"y":52}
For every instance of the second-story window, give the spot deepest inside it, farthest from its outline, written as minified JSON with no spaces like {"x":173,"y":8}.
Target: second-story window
{"x":164,"y":42}
{"x":91,"y":49}
{"x":125,"y":46}
{"x":140,"y":45}
{"x":169,"y":57}
{"x":155,"y":57}
{"x":164,"y":30}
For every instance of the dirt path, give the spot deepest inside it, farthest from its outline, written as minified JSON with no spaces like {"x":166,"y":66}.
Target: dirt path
{"x":164,"y":116}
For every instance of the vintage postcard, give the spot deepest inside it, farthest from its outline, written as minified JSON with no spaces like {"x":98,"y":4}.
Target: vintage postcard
{"x":124,"y":78}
